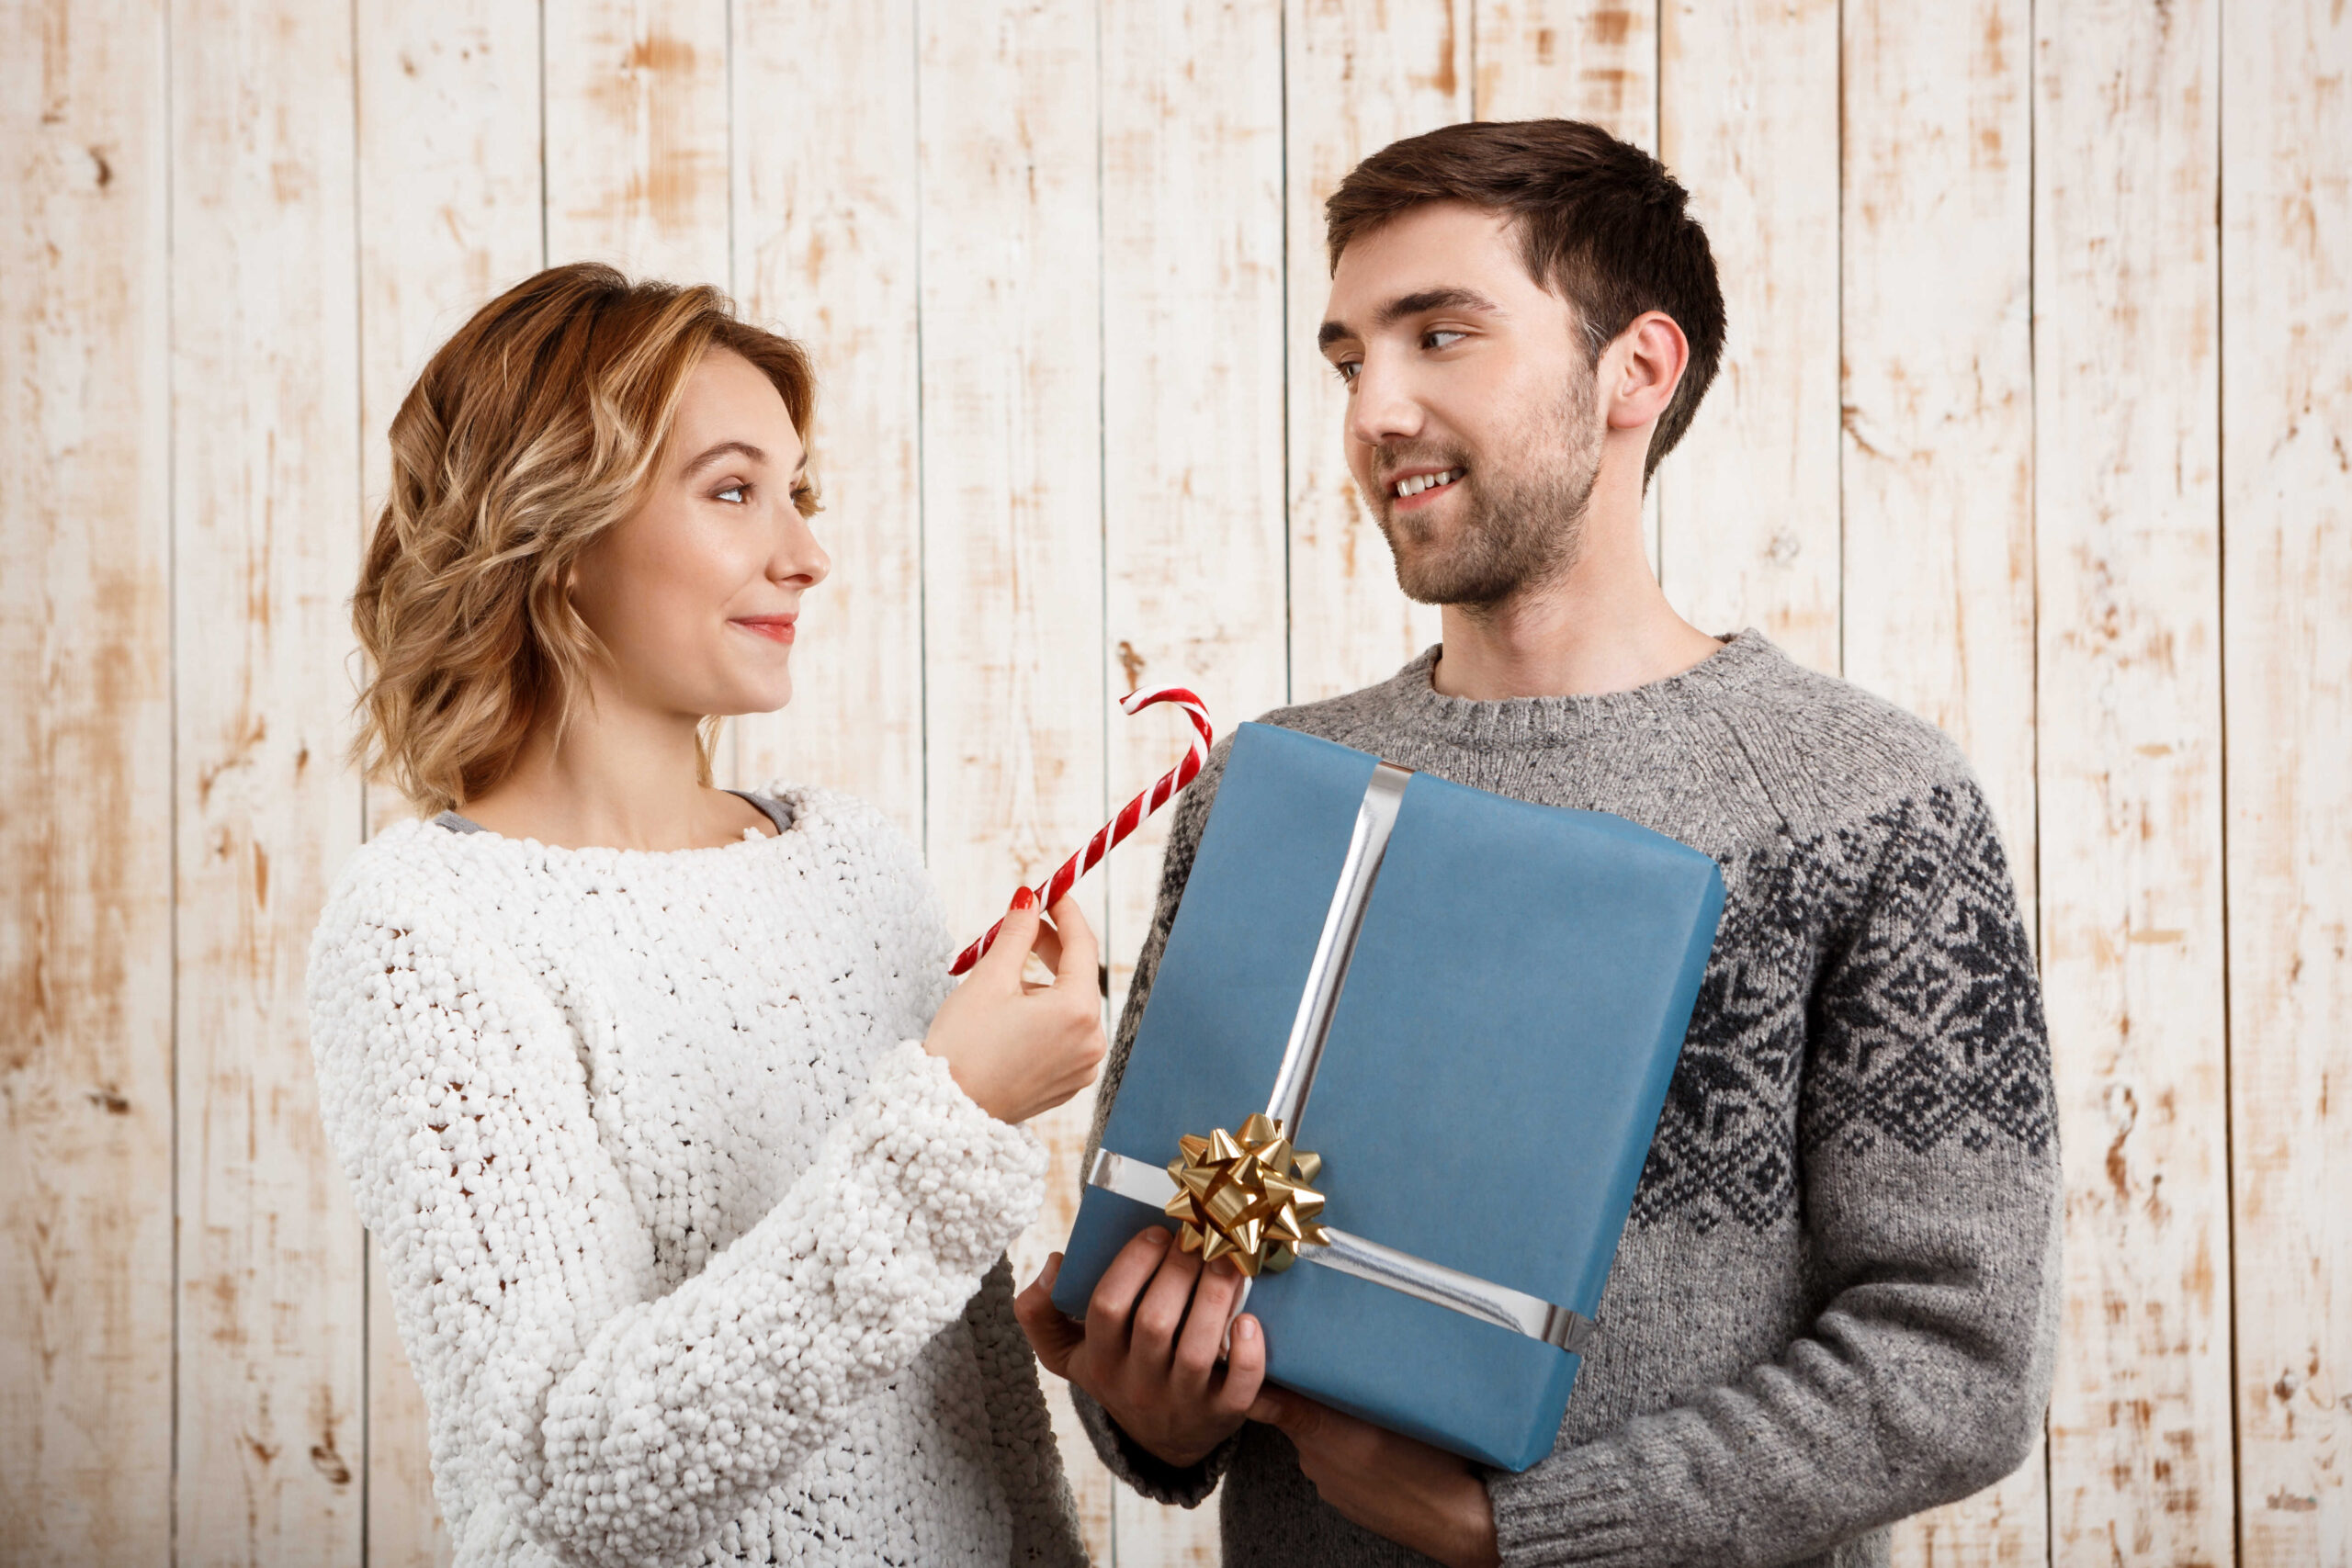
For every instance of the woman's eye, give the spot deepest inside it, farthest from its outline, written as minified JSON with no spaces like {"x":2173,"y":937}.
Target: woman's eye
{"x":734,"y":495}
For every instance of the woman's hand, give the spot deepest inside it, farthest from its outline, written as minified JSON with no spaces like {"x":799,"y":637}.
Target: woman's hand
{"x":1016,"y":1049}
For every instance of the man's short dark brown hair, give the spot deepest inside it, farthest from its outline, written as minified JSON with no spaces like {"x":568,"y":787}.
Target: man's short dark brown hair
{"x":1601,"y":223}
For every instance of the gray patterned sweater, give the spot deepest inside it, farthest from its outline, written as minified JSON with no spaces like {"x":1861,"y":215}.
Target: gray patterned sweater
{"x":1836,"y":1302}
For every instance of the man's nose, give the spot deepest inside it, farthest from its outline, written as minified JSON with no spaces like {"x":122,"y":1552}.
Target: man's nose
{"x":1383,"y":409}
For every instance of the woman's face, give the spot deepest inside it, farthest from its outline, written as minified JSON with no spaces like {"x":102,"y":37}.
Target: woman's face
{"x":696,"y":592}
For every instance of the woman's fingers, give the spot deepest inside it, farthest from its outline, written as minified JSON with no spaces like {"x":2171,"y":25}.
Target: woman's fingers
{"x":1079,"y":958}
{"x":1048,"y":945}
{"x":1002,"y":962}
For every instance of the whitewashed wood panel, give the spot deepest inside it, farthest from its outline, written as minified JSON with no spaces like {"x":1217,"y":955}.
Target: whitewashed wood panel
{"x":2287,"y":567}
{"x":1012,"y":494}
{"x":85,"y":1024}
{"x":2126,"y":517}
{"x":1358,"y":75}
{"x":265,"y":502}
{"x":1192,"y":530}
{"x":1747,"y":505}
{"x":638,"y":121}
{"x":1938,"y":467}
{"x":825,"y":204}
{"x":1591,"y":60}
{"x":449,"y":216}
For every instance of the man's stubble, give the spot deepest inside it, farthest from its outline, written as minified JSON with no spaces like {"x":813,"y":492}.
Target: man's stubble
{"x":1524,"y":522}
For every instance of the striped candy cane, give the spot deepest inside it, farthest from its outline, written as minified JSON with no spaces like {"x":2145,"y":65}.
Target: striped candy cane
{"x":1130,"y":816}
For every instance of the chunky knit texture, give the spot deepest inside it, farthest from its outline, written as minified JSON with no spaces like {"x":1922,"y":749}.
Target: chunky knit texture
{"x":695,"y":1251}
{"x":1835,"y":1303}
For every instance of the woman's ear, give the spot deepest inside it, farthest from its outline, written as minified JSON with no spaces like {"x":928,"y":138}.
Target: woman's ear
{"x":1640,"y":370}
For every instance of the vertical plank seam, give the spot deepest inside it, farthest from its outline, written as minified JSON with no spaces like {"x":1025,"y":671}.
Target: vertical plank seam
{"x":2033,"y":534}
{"x":1654,"y":479}
{"x":726,"y":66}
{"x":1111,"y":872}
{"x":2222,"y":769}
{"x":1840,"y":382}
{"x":1290,"y":608}
{"x":359,"y":487}
{"x":543,"y":133}
{"x":922,"y":490}
{"x":171,"y":662}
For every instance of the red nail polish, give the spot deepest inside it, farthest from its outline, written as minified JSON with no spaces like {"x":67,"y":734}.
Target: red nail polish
{"x":1023,"y":899}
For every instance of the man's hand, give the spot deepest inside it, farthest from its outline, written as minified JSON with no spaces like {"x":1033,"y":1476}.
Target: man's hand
{"x":1415,"y":1495}
{"x":1147,"y":1349}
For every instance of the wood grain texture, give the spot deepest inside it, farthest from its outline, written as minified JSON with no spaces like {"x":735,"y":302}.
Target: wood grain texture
{"x":1747,"y":120}
{"x":2287,"y":464}
{"x":2127,"y":498}
{"x":1591,"y":60}
{"x":638,"y":121}
{"x":449,"y":215}
{"x":825,"y":203}
{"x":86,"y":839}
{"x":1012,"y":495}
{"x":1358,"y":75}
{"x":1938,"y":467}
{"x":265,"y":421}
{"x":1193,"y":446}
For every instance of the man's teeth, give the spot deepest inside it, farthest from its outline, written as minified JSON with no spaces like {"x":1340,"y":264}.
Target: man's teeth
{"x":1420,"y":482}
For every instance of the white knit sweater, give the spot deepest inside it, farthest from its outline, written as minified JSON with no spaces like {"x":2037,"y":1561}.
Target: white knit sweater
{"x":694,"y":1249}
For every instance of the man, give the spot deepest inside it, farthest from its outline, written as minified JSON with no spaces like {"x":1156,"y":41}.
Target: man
{"x":1835,"y":1304}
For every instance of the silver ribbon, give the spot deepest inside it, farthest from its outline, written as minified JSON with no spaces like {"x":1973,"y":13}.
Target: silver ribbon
{"x":1310,"y":1032}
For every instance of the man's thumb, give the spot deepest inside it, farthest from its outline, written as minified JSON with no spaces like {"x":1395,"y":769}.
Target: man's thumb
{"x":1273,"y":1408}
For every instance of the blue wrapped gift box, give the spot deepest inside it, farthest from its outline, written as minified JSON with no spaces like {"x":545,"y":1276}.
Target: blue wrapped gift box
{"x":1470,"y":1008}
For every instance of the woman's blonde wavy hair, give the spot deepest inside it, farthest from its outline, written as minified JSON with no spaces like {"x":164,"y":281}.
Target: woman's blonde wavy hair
{"x":531,"y":432}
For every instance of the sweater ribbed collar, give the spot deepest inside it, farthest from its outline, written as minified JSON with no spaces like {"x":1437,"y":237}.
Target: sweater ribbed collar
{"x":1746,"y":659}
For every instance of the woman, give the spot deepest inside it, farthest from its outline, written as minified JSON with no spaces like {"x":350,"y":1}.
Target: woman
{"x":693,"y":1192}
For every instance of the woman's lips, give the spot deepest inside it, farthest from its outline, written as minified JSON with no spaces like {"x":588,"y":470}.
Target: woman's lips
{"x":776,"y":629}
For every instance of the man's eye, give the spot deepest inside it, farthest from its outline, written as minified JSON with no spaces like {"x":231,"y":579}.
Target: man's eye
{"x":734,"y":495}
{"x":1429,"y":340}
{"x":1347,"y":370}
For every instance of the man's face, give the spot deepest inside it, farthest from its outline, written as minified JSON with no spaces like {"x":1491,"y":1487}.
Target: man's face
{"x":1469,"y":389}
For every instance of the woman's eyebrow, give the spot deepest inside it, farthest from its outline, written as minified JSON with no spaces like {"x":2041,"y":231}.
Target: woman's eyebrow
{"x":741,"y":448}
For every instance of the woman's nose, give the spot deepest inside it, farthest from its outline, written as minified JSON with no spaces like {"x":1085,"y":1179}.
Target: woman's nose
{"x":798,"y":556}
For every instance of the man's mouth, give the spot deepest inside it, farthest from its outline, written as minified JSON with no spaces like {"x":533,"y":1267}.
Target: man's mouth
{"x":1412,"y":485}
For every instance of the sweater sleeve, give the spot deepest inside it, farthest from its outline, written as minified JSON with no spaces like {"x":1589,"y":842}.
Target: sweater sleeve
{"x":1020,"y":1432}
{"x":1930,"y":1192}
{"x":606,"y":1419}
{"x":1188,"y":1486}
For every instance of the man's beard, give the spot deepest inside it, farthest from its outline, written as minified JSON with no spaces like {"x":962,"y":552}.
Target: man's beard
{"x":1523,"y":526}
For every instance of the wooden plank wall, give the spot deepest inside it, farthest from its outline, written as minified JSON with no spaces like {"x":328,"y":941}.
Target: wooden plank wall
{"x":2035,"y":419}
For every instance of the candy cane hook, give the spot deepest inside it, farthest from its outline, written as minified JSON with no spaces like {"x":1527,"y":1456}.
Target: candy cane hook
{"x":1130,"y":816}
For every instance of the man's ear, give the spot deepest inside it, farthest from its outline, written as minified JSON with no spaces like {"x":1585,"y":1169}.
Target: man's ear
{"x":1639,"y":370}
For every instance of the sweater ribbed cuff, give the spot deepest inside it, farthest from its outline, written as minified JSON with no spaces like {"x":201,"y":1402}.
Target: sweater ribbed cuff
{"x":1583,"y":1512}
{"x":1182,"y":1486}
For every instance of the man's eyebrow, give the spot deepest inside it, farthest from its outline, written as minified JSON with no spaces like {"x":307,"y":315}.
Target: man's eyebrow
{"x":741,"y":448}
{"x":1419,"y":302}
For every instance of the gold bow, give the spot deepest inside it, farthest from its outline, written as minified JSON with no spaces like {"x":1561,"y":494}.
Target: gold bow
{"x":1245,"y":1198}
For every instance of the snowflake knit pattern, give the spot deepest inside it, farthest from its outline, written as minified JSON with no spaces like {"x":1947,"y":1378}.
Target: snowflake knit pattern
{"x":695,"y":1250}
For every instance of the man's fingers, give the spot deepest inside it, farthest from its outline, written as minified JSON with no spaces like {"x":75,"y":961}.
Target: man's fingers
{"x":1050,"y":1333}
{"x":1159,"y":1315}
{"x":1107,"y":1310}
{"x":1080,"y":958}
{"x":1202,"y":1339}
{"x":1245,"y":1370}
